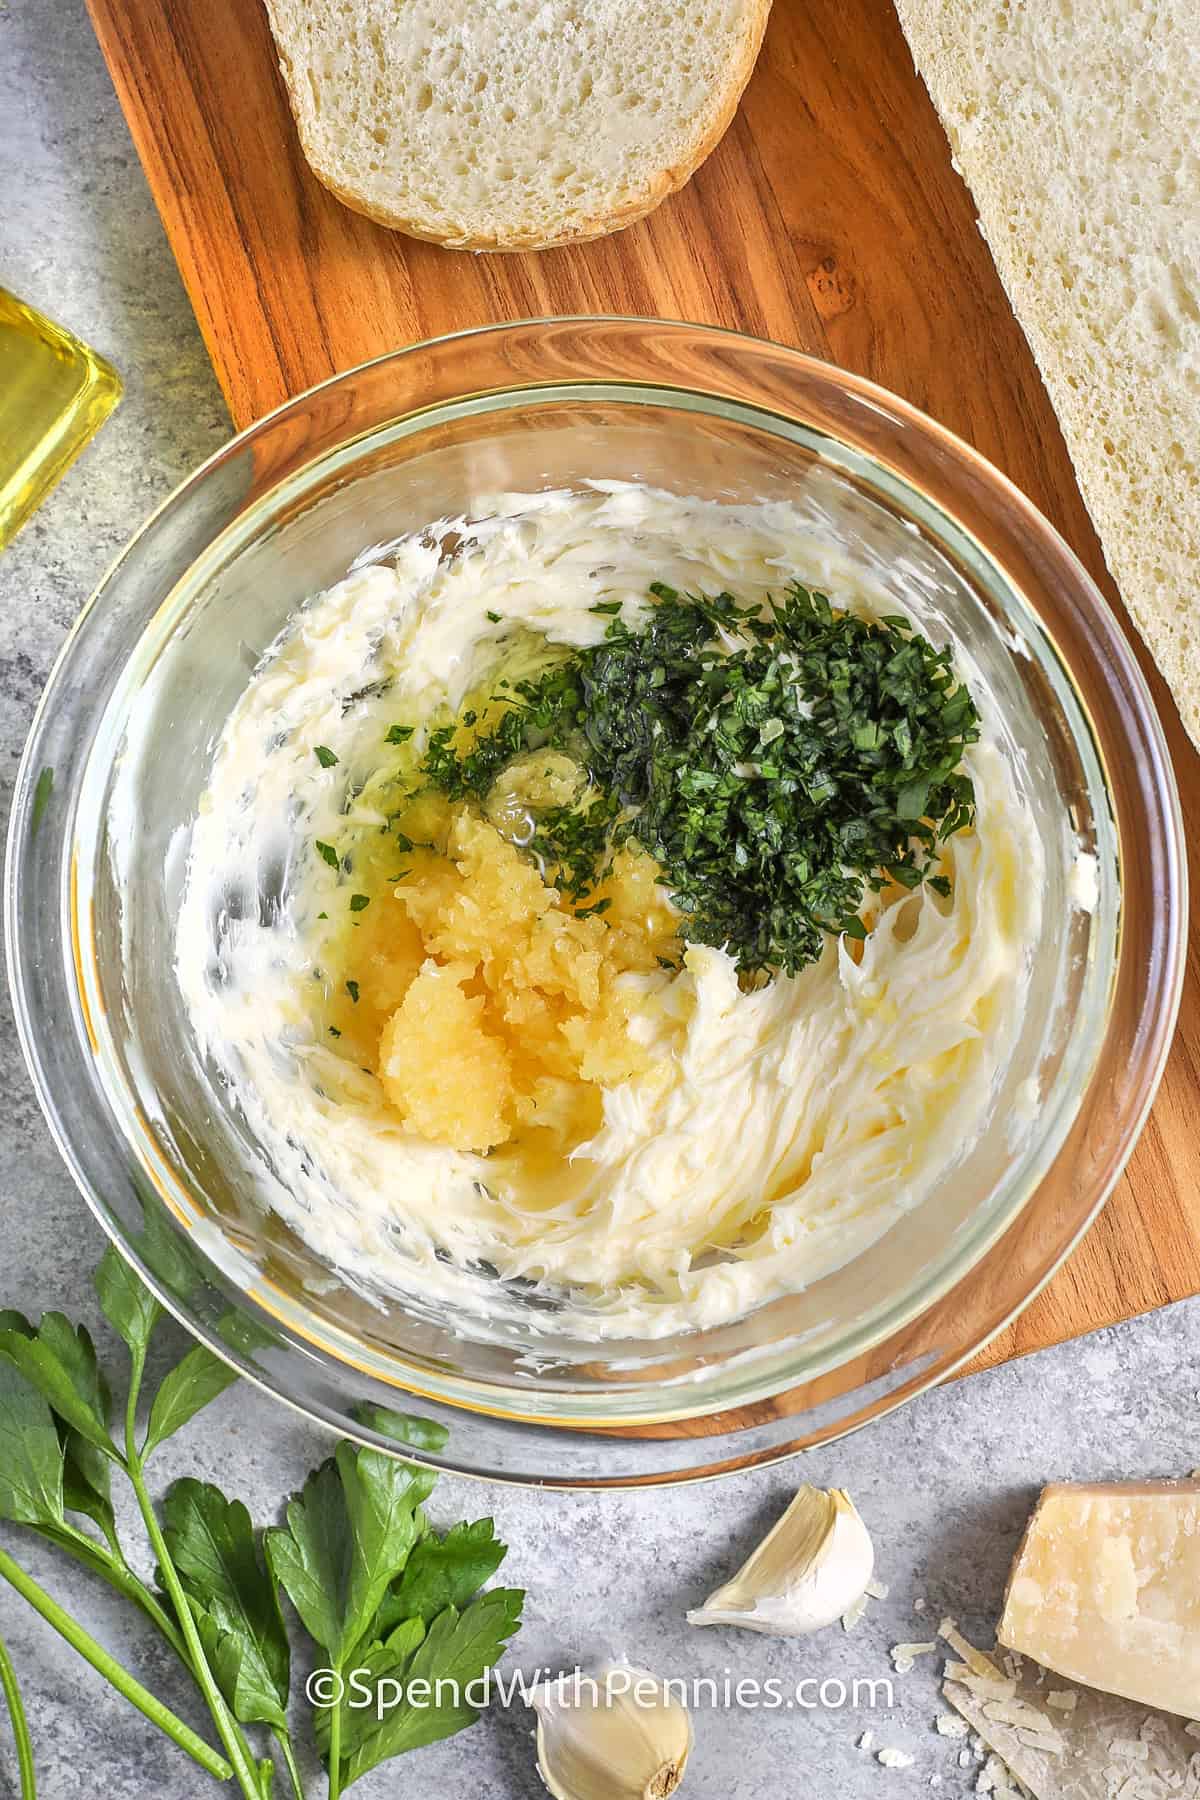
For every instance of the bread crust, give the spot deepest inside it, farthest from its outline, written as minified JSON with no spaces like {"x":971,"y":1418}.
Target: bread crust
{"x":668,"y":182}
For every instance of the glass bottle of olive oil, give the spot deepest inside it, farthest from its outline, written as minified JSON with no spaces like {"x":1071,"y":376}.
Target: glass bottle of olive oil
{"x":55,"y":394}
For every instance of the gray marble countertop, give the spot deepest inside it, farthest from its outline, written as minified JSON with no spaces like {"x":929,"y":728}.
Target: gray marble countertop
{"x":945,"y":1486}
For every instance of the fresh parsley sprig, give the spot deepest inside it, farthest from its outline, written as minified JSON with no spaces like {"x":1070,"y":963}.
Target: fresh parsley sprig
{"x":385,"y":1596}
{"x":390,"y":1602}
{"x":57,"y":1449}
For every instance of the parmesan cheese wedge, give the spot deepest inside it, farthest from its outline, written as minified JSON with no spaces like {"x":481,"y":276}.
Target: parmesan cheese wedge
{"x":1105,"y":1589}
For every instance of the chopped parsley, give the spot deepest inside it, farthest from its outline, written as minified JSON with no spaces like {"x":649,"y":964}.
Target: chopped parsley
{"x":325,"y":756}
{"x":399,"y":734}
{"x":494,"y":617}
{"x":352,"y":990}
{"x":539,"y":712}
{"x":359,"y":902}
{"x":327,"y":853}
{"x":777,"y":764}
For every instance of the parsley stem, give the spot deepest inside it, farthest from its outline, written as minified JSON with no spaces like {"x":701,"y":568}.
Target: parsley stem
{"x":119,"y":1576}
{"x":227,"y":1728}
{"x":20,"y":1727}
{"x":113,"y":1671}
{"x":284,"y":1740}
{"x":335,"y":1750}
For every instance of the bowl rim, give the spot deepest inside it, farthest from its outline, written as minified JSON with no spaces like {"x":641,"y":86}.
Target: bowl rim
{"x":895,"y":408}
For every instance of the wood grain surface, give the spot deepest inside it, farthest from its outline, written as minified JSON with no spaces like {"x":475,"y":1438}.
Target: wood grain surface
{"x":829,"y":218}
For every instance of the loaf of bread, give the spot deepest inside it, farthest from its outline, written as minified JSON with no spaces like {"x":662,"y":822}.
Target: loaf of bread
{"x":512,"y":124}
{"x":1076,"y":125}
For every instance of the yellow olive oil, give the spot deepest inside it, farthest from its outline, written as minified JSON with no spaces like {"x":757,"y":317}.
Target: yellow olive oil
{"x":55,"y":393}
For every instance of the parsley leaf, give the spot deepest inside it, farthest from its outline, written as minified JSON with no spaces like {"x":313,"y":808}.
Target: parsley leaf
{"x":359,"y":902}
{"x":198,"y":1378}
{"x":443,"y":1571}
{"x":31,"y":1455}
{"x":459,"y":1648}
{"x":126,"y":1302}
{"x":348,"y":1535}
{"x":325,"y":756}
{"x":233,"y":1597}
{"x":59,"y":1360}
{"x":413,"y":1429}
{"x":327,"y":853}
{"x":42,"y":791}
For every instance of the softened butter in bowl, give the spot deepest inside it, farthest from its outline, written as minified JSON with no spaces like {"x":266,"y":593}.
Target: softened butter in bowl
{"x":455,"y":1063}
{"x":167,"y":914}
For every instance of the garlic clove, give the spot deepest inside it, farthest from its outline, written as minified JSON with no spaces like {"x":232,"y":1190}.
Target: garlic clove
{"x":612,"y":1733}
{"x":810,"y":1568}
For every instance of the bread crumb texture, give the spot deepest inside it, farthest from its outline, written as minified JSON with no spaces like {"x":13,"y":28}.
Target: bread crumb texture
{"x":1077,"y":129}
{"x":508,"y":124}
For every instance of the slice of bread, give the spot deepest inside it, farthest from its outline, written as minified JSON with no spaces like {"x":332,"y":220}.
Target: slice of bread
{"x":512,"y":124}
{"x":1076,"y":125}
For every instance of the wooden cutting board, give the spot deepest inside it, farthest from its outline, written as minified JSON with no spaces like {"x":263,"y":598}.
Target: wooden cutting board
{"x":829,"y":218}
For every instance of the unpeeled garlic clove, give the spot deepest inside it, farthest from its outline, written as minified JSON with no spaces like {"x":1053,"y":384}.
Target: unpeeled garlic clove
{"x":810,"y":1568}
{"x":613,"y":1733}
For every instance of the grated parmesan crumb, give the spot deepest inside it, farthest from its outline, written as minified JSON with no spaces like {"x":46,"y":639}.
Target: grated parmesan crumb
{"x":1016,"y":1713}
{"x":904,"y":1655}
{"x":878,"y":1590}
{"x":992,"y":1776}
{"x":1047,"y":1741}
{"x":949,"y":1725}
{"x":919,"y":1604}
{"x":866,"y":1740}
{"x":854,"y":1613}
{"x":1064,"y":1699}
{"x":975,"y":1659}
{"x":983,"y":1687}
{"x":894,"y":1759}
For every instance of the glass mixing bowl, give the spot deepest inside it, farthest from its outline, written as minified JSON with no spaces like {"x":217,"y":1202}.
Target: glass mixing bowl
{"x":157,"y":660}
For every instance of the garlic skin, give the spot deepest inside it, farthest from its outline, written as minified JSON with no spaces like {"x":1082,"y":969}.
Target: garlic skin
{"x":616,"y":1733}
{"x":810,"y":1568}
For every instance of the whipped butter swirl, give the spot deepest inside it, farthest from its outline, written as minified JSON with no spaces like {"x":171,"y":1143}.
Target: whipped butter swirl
{"x":777,"y":1133}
